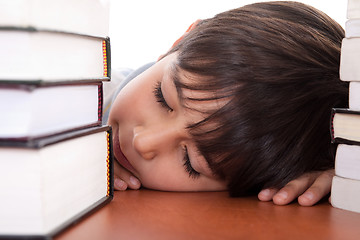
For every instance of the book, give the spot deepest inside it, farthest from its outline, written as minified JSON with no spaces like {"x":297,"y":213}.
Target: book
{"x":345,"y":122}
{"x":353,"y":9}
{"x":347,"y":161}
{"x":350,"y":59}
{"x":352,"y":28}
{"x":354,"y":95}
{"x":36,"y":109}
{"x":52,"y":56}
{"x":345,"y":126}
{"x":345,"y":194}
{"x":89,"y":17}
{"x":51,"y":183}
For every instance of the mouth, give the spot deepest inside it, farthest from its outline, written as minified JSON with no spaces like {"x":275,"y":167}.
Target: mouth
{"x":119,"y":155}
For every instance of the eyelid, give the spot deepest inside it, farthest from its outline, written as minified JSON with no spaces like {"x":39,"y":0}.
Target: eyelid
{"x":187,"y":165}
{"x":160,"y":97}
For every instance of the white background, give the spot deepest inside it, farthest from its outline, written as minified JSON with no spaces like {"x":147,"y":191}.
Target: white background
{"x":141,"y":30}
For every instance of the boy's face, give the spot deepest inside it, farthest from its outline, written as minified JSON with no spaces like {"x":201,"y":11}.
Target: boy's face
{"x":150,"y":135}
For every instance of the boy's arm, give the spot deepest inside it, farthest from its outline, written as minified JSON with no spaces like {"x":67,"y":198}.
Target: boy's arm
{"x":308,"y":189}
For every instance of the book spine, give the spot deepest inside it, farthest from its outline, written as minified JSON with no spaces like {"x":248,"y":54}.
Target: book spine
{"x":100,"y":102}
{"x":107,"y":58}
{"x":110,"y":166}
{"x":332,"y":135}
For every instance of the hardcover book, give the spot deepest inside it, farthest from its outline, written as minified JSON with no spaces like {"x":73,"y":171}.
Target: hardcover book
{"x":354,"y":95}
{"x":33,"y":109}
{"x":352,"y":28}
{"x":345,"y":194}
{"x":345,"y":126}
{"x":51,"y":183}
{"x":350,"y":59}
{"x":353,"y":9}
{"x":32,"y":55}
{"x":345,"y":122}
{"x":89,"y":17}
{"x":347,"y":161}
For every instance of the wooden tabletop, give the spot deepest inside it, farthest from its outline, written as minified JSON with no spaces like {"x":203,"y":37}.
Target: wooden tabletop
{"x":146,"y":214}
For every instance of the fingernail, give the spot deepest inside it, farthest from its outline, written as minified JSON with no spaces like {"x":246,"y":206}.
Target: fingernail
{"x":282,"y":194}
{"x":308,"y":195}
{"x":119,"y":184}
{"x":265,"y":192}
{"x":134,"y":181}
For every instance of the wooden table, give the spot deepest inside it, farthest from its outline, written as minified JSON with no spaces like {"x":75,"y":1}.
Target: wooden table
{"x":146,"y":214}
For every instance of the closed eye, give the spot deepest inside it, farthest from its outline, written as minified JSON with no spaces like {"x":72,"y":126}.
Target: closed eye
{"x":187,"y":165}
{"x":160,"y":97}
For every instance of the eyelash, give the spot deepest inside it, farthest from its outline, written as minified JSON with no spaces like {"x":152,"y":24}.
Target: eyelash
{"x":187,"y":165}
{"x":160,"y":97}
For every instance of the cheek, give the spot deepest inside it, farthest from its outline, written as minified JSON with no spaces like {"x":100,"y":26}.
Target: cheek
{"x":118,"y":110}
{"x":174,"y":178}
{"x":128,"y":104}
{"x":167,"y":179}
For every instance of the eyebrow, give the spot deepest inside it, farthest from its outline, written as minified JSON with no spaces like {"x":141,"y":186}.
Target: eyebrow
{"x":173,"y":74}
{"x":175,"y":78}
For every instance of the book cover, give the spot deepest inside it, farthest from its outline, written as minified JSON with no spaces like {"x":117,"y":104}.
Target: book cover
{"x":37,"y":109}
{"x":345,"y":126}
{"x":352,"y":28}
{"x":347,"y":161}
{"x":353,"y":9}
{"x":33,"y":55}
{"x":345,"y":194}
{"x":350,"y":59}
{"x":68,"y":176}
{"x":354,"y":96}
{"x":90,"y":17}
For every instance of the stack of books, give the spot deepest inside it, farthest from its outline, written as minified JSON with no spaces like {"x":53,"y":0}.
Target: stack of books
{"x":55,"y":154}
{"x":345,"y":124}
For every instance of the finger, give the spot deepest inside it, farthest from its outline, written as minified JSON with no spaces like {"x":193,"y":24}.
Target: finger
{"x":293,"y":189}
{"x":133,"y":182}
{"x":267,"y":194}
{"x":319,"y":189}
{"x":119,"y":184}
{"x":124,"y":179}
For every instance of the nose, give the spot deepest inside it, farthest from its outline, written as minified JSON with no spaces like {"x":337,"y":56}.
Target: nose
{"x":150,"y":141}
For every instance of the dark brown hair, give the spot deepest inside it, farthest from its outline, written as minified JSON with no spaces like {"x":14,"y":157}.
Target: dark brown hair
{"x":277,"y":64}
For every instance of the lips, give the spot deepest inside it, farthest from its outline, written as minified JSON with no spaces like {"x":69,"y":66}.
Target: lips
{"x":119,"y":155}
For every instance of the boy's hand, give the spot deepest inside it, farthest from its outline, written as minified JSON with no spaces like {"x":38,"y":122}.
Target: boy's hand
{"x":308,"y":188}
{"x":123,"y":179}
